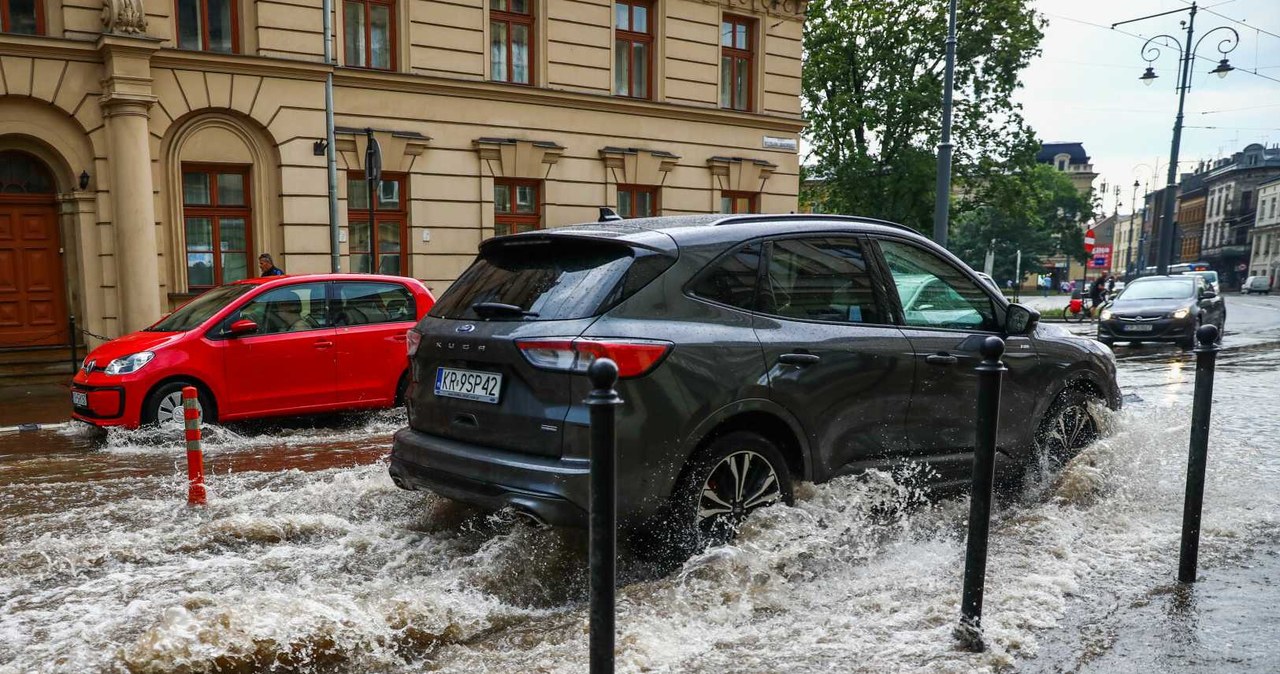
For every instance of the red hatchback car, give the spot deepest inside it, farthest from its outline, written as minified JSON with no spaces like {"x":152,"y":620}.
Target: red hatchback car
{"x":265,"y":347}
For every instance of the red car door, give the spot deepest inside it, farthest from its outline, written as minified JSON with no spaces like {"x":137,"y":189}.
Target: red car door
{"x":288,"y":364}
{"x":371,"y":319}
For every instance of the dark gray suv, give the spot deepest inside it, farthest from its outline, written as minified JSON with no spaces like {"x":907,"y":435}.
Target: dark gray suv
{"x":753,"y":351}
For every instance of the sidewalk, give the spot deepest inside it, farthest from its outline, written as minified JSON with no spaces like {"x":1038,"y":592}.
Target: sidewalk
{"x":36,"y":404}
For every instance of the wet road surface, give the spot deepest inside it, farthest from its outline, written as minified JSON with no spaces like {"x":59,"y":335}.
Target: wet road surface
{"x":308,"y":559}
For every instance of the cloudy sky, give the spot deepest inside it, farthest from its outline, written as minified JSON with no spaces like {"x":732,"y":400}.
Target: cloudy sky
{"x":1085,"y":85}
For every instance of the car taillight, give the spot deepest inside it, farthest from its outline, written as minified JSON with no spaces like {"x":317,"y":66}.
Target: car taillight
{"x":412,"y":339}
{"x":635,"y":357}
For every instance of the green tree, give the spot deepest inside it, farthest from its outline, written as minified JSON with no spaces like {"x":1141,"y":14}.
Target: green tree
{"x":1033,"y":208}
{"x":872,"y":91}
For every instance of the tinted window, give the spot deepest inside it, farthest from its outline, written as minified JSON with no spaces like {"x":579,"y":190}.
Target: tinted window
{"x":542,"y":280}
{"x":1164,"y":289}
{"x":190,"y":315}
{"x":935,"y":293}
{"x":733,"y":280}
{"x":366,"y":303}
{"x":822,"y":279}
{"x":295,"y":308}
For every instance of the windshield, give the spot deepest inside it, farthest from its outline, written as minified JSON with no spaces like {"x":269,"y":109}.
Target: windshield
{"x":192,"y":314}
{"x":1163,"y":289}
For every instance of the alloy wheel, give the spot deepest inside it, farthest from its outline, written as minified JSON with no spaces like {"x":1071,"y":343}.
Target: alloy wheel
{"x":739,"y":484}
{"x":1071,"y":429}
{"x":170,"y":411}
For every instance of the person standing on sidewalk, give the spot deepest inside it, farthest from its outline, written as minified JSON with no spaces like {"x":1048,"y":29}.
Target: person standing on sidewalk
{"x":268,"y":267}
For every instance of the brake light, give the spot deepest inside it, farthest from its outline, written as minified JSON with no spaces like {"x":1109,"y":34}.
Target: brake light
{"x":635,"y":357}
{"x":412,"y":339}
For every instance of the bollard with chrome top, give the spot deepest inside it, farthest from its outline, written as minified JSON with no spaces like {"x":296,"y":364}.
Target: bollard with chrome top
{"x":195,"y":455}
{"x":990,"y":372}
{"x":603,"y":402}
{"x":1198,"y":456}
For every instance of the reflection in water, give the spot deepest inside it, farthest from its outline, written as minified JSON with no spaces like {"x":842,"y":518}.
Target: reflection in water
{"x":308,"y":559}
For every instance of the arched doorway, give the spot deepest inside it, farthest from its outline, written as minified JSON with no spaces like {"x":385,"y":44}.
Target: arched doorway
{"x":33,"y":302}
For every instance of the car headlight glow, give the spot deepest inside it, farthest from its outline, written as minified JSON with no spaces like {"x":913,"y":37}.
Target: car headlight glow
{"x":1181,"y":313}
{"x":1106,"y":314}
{"x":131,"y":363}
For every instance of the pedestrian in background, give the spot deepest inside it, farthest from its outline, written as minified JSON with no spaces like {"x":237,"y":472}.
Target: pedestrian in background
{"x":268,"y":267}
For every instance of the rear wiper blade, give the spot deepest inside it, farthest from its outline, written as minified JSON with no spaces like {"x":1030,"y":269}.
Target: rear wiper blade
{"x":500,"y":308}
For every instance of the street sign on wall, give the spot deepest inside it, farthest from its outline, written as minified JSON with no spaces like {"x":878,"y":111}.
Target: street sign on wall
{"x":1101,"y":258}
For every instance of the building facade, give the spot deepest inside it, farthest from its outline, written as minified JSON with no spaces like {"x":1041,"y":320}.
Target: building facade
{"x":1068,"y":157}
{"x":1124,"y":250}
{"x":150,"y":149}
{"x":1192,"y":199}
{"x":1264,"y":259}
{"x":1232,"y":186}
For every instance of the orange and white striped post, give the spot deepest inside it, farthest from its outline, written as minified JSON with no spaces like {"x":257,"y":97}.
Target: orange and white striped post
{"x":195,"y":455}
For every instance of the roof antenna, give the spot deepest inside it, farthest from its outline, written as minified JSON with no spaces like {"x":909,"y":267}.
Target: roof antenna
{"x":608,"y":215}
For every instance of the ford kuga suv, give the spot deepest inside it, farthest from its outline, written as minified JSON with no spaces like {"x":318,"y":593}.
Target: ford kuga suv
{"x":753,"y":351}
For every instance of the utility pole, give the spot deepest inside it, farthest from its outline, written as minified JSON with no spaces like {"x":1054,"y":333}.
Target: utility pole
{"x":942,"y":199}
{"x":331,"y":156}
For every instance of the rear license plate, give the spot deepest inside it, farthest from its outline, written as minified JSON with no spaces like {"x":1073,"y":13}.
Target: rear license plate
{"x":1138,"y":328}
{"x":468,"y":384}
{"x":79,"y":399}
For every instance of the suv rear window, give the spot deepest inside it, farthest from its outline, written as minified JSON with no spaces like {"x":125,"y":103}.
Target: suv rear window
{"x":556,"y":280}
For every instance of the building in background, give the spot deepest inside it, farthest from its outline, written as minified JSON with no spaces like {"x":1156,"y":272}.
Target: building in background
{"x":1264,"y":259}
{"x":1124,"y":249}
{"x":151,"y":150}
{"x":1232,"y":186}
{"x":1068,"y":157}
{"x":1190,"y":216}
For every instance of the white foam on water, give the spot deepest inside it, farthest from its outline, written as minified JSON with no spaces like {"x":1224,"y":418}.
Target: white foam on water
{"x":337,"y":570}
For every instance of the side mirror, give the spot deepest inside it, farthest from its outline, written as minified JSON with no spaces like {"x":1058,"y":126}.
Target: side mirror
{"x":243,"y":326}
{"x":1020,"y":320}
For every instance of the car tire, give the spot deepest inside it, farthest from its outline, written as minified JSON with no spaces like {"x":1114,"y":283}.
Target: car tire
{"x":163,"y":407}
{"x":684,"y":528}
{"x":1187,"y":344}
{"x":1066,"y":428}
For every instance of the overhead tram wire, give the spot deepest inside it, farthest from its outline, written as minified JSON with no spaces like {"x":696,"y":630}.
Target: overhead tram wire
{"x":1139,"y":37}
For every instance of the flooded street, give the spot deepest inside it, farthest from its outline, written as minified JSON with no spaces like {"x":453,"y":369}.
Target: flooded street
{"x":308,"y":559}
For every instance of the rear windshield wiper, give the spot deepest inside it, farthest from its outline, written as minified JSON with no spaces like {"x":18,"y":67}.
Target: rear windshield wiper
{"x":493,"y":308}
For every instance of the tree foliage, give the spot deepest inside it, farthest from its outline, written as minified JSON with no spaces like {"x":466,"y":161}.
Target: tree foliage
{"x":1035,"y":209}
{"x":872,"y":90}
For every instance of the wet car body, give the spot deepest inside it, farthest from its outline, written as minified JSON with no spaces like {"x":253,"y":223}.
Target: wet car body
{"x":1135,"y":316}
{"x":837,"y":397}
{"x":348,"y":357}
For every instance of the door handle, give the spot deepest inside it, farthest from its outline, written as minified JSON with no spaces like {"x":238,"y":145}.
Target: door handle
{"x":801,"y":359}
{"x":323,"y":344}
{"x":941,"y":359}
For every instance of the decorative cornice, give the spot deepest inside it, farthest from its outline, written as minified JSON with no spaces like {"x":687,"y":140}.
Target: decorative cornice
{"x":48,"y":48}
{"x":792,"y":10}
{"x":239,"y":64}
{"x":490,"y":91}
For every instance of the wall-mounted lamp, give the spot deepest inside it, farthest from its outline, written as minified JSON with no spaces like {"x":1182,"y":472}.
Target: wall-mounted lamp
{"x":84,"y":180}
{"x":319,"y":147}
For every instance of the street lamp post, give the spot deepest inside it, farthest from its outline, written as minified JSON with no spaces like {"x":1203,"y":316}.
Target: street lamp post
{"x":1128,"y":232}
{"x":1151,"y":52}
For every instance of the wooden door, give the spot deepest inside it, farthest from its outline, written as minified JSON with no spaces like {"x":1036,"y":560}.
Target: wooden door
{"x":33,"y":305}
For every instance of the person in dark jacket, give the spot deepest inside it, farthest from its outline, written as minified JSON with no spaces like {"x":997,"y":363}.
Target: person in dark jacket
{"x":268,"y":267}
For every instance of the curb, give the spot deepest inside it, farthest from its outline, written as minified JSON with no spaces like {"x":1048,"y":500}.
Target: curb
{"x":32,"y":428}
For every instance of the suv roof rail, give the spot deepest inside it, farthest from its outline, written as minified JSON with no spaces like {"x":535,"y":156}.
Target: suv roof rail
{"x":745,"y":219}
{"x":608,"y":215}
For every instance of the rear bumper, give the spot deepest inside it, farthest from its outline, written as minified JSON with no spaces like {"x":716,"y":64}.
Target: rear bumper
{"x":555,"y":490}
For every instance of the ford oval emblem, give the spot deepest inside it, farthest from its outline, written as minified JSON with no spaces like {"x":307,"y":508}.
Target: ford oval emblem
{"x":466,"y":328}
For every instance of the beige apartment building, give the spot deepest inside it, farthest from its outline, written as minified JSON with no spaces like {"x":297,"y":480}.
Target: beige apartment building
{"x":150,"y":149}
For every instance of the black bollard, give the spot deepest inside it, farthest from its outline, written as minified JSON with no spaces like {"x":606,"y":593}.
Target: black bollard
{"x":1198,"y":456}
{"x":603,"y":402}
{"x":990,"y":372}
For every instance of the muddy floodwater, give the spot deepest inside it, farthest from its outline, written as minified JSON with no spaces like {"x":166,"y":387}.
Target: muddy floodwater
{"x":308,"y":559}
